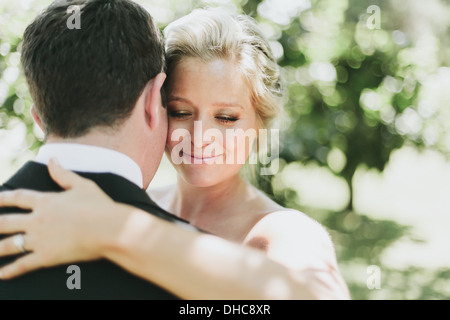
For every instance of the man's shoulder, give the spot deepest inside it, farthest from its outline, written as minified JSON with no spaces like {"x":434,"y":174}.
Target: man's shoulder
{"x":35,"y":176}
{"x":101,"y":279}
{"x":9,"y":186}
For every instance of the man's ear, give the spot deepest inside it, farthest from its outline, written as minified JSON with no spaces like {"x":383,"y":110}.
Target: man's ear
{"x":153,"y":100}
{"x":36,"y":117}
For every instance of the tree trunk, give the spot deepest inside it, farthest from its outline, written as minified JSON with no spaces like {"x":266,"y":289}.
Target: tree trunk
{"x":348,"y":178}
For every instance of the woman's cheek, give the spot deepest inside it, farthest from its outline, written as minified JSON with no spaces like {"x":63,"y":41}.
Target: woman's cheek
{"x":172,"y":140}
{"x":178,"y":142}
{"x":176,"y":129}
{"x":239,"y":144}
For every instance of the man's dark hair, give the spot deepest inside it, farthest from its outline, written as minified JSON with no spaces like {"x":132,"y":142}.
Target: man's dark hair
{"x":90,"y":77}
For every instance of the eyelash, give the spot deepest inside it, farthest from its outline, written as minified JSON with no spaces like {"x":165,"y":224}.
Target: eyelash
{"x":179,"y":115}
{"x":183,"y":115}
{"x":227,"y":119}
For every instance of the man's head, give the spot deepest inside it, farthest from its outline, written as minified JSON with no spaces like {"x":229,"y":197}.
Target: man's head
{"x":94,"y":77}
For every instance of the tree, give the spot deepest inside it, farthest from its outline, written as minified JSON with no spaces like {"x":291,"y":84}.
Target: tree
{"x":349,"y":86}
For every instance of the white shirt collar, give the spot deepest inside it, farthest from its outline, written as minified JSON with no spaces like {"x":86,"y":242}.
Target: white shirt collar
{"x":85,"y":158}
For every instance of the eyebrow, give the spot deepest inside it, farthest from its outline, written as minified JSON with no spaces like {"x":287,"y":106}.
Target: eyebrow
{"x":216,"y":104}
{"x":228,"y":105}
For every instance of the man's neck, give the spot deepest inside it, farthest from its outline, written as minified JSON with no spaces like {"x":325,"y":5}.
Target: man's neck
{"x":108,"y":140}
{"x":94,"y":139}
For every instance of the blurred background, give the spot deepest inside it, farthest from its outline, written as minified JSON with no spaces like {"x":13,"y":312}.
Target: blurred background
{"x":365,"y":147}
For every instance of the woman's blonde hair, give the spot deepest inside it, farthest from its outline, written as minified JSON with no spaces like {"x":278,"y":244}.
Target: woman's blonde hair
{"x":210,"y":34}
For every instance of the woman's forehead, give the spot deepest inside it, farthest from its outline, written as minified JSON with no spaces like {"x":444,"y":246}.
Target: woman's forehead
{"x":218,"y":80}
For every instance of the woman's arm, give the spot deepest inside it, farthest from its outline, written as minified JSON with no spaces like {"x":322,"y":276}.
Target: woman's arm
{"x":200,"y":266}
{"x":300,"y":244}
{"x":190,"y":264}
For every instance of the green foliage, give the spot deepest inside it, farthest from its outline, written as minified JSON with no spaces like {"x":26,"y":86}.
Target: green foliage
{"x":348,"y":88}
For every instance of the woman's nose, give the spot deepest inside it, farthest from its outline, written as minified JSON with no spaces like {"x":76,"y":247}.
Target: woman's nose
{"x":204,"y":132}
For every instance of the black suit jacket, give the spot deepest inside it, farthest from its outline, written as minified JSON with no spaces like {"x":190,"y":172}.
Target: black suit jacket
{"x":100,"y":279}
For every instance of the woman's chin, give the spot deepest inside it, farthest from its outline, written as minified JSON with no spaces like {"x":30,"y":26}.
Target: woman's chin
{"x":200,"y":180}
{"x":204,"y":176}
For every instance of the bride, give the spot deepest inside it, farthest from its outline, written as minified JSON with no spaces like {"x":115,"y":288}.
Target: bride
{"x":221,"y":76}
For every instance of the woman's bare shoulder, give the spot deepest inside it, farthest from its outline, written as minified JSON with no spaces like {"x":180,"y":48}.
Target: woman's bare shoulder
{"x":276,"y":218}
{"x":294,"y":239}
{"x":301,"y":244}
{"x":292,"y":223}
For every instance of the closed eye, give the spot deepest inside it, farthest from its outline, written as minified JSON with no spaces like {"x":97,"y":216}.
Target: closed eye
{"x":179,"y":114}
{"x":226,"y":119}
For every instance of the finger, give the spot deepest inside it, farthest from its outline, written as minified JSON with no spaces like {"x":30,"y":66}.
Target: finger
{"x":25,"y":199}
{"x":8,"y":247}
{"x":21,"y":266}
{"x":64,"y":178}
{"x":13,"y":223}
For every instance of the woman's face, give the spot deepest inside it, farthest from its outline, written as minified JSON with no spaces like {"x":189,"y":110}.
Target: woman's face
{"x":209,"y":103}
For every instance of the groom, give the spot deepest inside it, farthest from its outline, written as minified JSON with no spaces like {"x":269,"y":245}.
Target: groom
{"x":97,"y":96}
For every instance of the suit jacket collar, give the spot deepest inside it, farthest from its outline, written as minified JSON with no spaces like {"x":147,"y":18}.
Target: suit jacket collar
{"x":35,"y":176}
{"x":88,"y":158}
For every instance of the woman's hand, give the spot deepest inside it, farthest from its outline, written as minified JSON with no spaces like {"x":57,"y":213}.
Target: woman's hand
{"x":62,"y":227}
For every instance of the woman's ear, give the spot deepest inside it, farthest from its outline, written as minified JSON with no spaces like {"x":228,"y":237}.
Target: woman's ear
{"x":153,"y":100}
{"x":36,"y":117}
